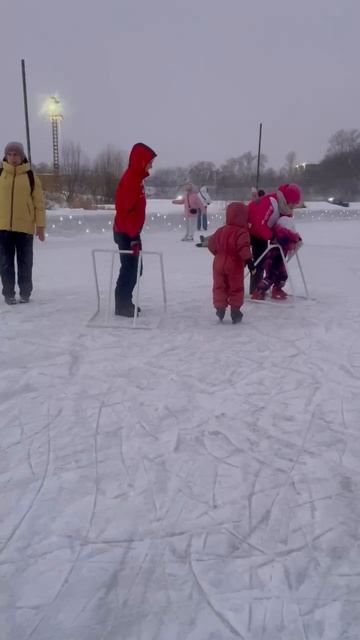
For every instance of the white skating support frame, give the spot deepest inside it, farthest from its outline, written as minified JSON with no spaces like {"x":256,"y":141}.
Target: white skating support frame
{"x":109,"y":314}
{"x":285,"y":261}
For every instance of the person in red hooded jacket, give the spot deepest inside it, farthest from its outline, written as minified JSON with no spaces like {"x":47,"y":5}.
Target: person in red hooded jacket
{"x":231,"y":247}
{"x":130,"y":204}
{"x":264,"y":215}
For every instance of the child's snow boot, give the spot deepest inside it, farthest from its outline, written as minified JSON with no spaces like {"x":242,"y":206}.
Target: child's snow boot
{"x":220,"y":313}
{"x":236,"y":315}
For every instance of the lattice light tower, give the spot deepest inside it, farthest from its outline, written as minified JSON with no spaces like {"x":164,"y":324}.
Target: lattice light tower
{"x":54,"y":112}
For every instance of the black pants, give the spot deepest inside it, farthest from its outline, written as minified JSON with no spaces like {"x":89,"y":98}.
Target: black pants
{"x":128,"y":270}
{"x":258,"y":246}
{"x":14,"y":243}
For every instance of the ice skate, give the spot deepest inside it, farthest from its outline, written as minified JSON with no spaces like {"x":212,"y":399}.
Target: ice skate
{"x":278,"y":294}
{"x":258,"y":295}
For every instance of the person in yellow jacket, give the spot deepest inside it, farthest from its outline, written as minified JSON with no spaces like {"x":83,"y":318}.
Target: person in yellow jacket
{"x":22,"y":213}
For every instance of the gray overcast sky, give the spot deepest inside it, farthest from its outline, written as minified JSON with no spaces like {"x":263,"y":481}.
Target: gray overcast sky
{"x":192,"y":78}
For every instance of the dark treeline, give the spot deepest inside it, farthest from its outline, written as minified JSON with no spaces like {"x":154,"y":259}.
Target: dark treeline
{"x":85,"y":183}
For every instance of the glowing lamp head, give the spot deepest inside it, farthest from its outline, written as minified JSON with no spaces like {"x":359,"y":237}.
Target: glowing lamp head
{"x":53,"y":108}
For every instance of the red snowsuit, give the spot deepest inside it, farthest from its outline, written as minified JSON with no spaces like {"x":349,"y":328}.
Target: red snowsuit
{"x":231,"y":247}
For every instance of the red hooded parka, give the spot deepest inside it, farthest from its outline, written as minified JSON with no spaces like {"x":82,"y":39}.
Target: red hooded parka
{"x":231,"y":247}
{"x":130,"y":201}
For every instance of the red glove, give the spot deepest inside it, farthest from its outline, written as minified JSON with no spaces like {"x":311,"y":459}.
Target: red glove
{"x":136,"y":247}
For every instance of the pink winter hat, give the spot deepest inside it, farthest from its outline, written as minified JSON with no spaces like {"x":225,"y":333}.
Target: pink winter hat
{"x":291,"y":192}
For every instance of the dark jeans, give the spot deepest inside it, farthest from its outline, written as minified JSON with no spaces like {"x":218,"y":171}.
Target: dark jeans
{"x":202,"y":218}
{"x":128,"y":270}
{"x":258,"y":246}
{"x":20,"y":244}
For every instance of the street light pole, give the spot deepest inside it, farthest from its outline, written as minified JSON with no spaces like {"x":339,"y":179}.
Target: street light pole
{"x":258,"y":158}
{"x":26,"y":110}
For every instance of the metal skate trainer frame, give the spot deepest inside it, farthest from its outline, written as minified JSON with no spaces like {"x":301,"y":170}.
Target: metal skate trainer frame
{"x":92,"y":322}
{"x":285,"y":261}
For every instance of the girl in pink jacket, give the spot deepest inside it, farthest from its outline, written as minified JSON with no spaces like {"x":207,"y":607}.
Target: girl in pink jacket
{"x":192,"y":205}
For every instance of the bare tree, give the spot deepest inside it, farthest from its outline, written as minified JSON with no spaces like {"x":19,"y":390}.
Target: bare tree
{"x":202,"y":173}
{"x":108,"y":167}
{"x":344,"y":141}
{"x":72,"y":169}
{"x":241,"y":170}
{"x":43,"y":167}
{"x":168,"y":176}
{"x":232,"y":168}
{"x":248,"y":168}
{"x":289,"y":170}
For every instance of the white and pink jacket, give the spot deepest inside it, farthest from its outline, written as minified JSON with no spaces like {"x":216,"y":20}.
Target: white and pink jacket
{"x":190,"y":200}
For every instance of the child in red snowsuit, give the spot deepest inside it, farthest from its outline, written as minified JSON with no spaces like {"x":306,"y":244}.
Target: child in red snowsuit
{"x":231,"y":247}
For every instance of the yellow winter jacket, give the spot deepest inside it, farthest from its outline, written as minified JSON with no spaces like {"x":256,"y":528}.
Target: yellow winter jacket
{"x":20,"y":210}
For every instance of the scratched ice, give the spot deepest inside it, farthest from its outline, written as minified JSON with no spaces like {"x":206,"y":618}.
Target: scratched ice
{"x":188,"y":482}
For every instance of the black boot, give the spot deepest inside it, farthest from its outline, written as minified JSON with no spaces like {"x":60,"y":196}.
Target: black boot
{"x":10,"y":300}
{"x":126,"y":309}
{"x":220,"y":313}
{"x":236,"y":315}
